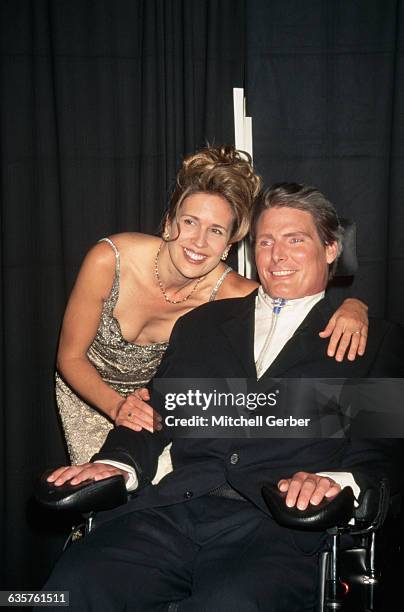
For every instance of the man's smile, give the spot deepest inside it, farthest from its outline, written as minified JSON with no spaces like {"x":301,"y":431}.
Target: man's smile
{"x":282,"y":272}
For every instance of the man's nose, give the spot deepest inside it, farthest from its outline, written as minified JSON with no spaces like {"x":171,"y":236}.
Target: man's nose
{"x":278,"y":253}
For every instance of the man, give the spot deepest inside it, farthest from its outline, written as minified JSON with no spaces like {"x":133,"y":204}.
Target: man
{"x":203,"y":538}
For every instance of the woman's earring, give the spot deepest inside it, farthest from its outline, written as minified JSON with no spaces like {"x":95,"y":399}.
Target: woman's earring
{"x":225,"y":254}
{"x":166,"y":235}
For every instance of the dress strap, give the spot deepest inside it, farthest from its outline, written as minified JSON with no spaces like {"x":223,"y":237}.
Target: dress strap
{"x":219,"y":284}
{"x":113,"y":296}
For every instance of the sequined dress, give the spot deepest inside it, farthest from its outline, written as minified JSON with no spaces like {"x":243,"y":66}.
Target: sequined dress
{"x":124,"y":365}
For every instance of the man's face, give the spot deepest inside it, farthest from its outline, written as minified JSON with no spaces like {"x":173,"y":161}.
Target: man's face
{"x":291,"y":260}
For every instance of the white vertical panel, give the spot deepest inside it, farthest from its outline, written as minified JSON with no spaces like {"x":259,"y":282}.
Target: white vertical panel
{"x":242,"y":141}
{"x":238,"y":106}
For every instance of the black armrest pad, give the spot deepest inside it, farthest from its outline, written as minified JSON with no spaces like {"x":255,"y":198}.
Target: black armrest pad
{"x":369,"y":506}
{"x":376,"y":503}
{"x":329,"y":513}
{"x":88,"y":496}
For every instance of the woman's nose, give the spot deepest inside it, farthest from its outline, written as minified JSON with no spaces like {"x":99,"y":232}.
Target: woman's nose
{"x":200,"y":237}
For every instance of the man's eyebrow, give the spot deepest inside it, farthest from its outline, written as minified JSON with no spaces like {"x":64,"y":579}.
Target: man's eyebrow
{"x":287,"y":235}
{"x":298,"y":233}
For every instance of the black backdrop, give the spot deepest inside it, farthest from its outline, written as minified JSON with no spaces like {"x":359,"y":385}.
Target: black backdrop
{"x":100,"y":99}
{"x":326,"y":91}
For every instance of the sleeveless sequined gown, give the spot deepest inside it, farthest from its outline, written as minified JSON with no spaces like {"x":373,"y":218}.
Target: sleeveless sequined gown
{"x":124,"y":365}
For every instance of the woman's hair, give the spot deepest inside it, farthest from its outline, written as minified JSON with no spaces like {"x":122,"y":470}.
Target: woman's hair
{"x":220,"y":171}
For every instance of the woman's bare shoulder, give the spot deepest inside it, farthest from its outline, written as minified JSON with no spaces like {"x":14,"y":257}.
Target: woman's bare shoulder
{"x":100,"y":256}
{"x":236,"y":285}
{"x":97,"y":271}
{"x":100,"y":260}
{"x":134,"y":242}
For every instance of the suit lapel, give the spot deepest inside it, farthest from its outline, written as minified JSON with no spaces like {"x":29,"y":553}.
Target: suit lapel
{"x":239,"y":331}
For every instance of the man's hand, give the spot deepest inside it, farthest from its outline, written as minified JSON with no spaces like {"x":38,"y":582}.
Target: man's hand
{"x":136,"y":414}
{"x":305,"y":488}
{"x":347,"y":327}
{"x":87,"y":471}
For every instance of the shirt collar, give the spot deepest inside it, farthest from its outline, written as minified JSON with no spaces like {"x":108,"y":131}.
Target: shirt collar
{"x":265,"y":301}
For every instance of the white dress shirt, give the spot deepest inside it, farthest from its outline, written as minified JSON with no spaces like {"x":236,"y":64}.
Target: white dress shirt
{"x":277,"y":328}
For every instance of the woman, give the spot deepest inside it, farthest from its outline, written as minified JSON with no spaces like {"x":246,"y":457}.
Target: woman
{"x":132,"y":288}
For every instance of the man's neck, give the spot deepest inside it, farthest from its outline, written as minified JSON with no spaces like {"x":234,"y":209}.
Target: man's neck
{"x":290,"y":300}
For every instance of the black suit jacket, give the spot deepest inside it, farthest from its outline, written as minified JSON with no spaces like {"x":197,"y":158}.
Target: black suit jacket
{"x":217,"y":340}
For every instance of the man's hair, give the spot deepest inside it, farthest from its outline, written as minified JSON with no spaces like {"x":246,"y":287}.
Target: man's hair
{"x":308,"y":199}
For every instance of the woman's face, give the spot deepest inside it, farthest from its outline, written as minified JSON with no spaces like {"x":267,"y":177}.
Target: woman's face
{"x":204,"y":222}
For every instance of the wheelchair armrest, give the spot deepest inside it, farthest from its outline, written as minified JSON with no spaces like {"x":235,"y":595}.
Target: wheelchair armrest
{"x":369,"y":506}
{"x":375,"y":504}
{"x":88,"y":496}
{"x":329,"y":513}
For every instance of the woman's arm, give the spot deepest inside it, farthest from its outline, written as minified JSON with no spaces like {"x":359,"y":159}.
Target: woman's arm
{"x":80,"y":324}
{"x":347,"y":327}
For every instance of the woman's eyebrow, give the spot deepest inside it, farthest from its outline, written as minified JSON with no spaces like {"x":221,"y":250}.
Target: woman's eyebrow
{"x":198,"y":219}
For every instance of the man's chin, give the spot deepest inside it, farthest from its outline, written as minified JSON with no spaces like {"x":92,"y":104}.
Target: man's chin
{"x":278,"y":290}
{"x":282,"y":292}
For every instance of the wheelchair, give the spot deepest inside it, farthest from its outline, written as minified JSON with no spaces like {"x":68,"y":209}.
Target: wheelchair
{"x":349,"y":575}
{"x":349,"y":572}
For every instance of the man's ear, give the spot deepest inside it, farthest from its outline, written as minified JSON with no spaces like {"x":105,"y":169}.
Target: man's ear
{"x":331,"y":251}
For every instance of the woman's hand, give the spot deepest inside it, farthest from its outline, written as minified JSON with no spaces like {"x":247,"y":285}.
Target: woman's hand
{"x":87,"y":471}
{"x":136,"y":414}
{"x":347,"y":327}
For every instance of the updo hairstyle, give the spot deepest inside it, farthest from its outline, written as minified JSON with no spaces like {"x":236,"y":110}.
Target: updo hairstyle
{"x":223,"y":171}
